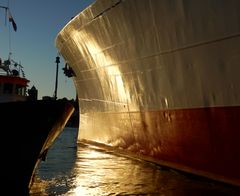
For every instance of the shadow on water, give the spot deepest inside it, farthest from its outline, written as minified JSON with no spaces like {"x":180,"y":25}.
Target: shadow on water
{"x":90,"y":170}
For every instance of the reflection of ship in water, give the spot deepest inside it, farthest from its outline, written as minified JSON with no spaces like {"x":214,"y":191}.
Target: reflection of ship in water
{"x":29,"y":126}
{"x":159,"y":79}
{"x":92,"y":170}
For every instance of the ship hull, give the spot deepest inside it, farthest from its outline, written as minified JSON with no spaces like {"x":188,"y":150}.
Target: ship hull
{"x":159,"y":79}
{"x":192,"y":140}
{"x":29,"y":128}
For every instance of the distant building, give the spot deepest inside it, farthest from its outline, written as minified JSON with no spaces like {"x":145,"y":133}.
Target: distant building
{"x":33,"y":93}
{"x":47,"y":98}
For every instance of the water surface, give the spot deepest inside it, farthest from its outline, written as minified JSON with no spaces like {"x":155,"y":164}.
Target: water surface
{"x":85,"y":169}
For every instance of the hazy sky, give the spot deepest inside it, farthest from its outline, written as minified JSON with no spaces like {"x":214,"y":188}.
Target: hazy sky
{"x":33,"y":44}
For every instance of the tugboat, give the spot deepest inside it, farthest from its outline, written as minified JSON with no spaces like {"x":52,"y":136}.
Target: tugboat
{"x":28,"y":127}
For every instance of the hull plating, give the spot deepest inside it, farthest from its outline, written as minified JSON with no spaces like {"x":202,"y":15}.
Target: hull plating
{"x":160,"y":79}
{"x":203,"y":141}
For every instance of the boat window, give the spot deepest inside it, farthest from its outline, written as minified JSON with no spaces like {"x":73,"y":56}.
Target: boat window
{"x":20,"y":90}
{"x":8,"y":88}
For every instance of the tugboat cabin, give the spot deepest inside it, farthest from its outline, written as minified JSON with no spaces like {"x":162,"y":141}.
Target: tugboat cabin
{"x":13,"y":87}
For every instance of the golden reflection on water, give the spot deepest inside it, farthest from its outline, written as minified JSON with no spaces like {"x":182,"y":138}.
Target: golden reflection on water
{"x":98,"y":172}
{"x":90,"y":170}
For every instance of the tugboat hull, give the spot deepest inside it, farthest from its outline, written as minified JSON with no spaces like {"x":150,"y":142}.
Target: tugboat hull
{"x":29,"y":128}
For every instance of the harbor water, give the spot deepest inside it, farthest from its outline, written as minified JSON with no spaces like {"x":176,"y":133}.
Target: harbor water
{"x":84,"y":169}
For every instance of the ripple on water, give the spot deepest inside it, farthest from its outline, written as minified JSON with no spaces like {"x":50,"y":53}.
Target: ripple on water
{"x":89,"y":170}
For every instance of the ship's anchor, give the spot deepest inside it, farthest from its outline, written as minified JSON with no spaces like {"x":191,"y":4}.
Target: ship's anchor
{"x":68,"y":71}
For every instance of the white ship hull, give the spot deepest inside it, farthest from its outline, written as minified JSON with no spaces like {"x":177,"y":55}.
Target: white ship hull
{"x":160,"y":79}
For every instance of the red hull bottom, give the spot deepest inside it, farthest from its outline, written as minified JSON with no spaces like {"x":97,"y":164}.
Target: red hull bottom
{"x":203,"y":141}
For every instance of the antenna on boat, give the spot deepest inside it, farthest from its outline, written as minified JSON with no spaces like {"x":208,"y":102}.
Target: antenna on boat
{"x":56,"y":82}
{"x":11,"y":20}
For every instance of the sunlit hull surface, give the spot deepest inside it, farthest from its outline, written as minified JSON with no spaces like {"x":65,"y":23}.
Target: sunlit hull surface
{"x":28,"y":130}
{"x":160,"y":79}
